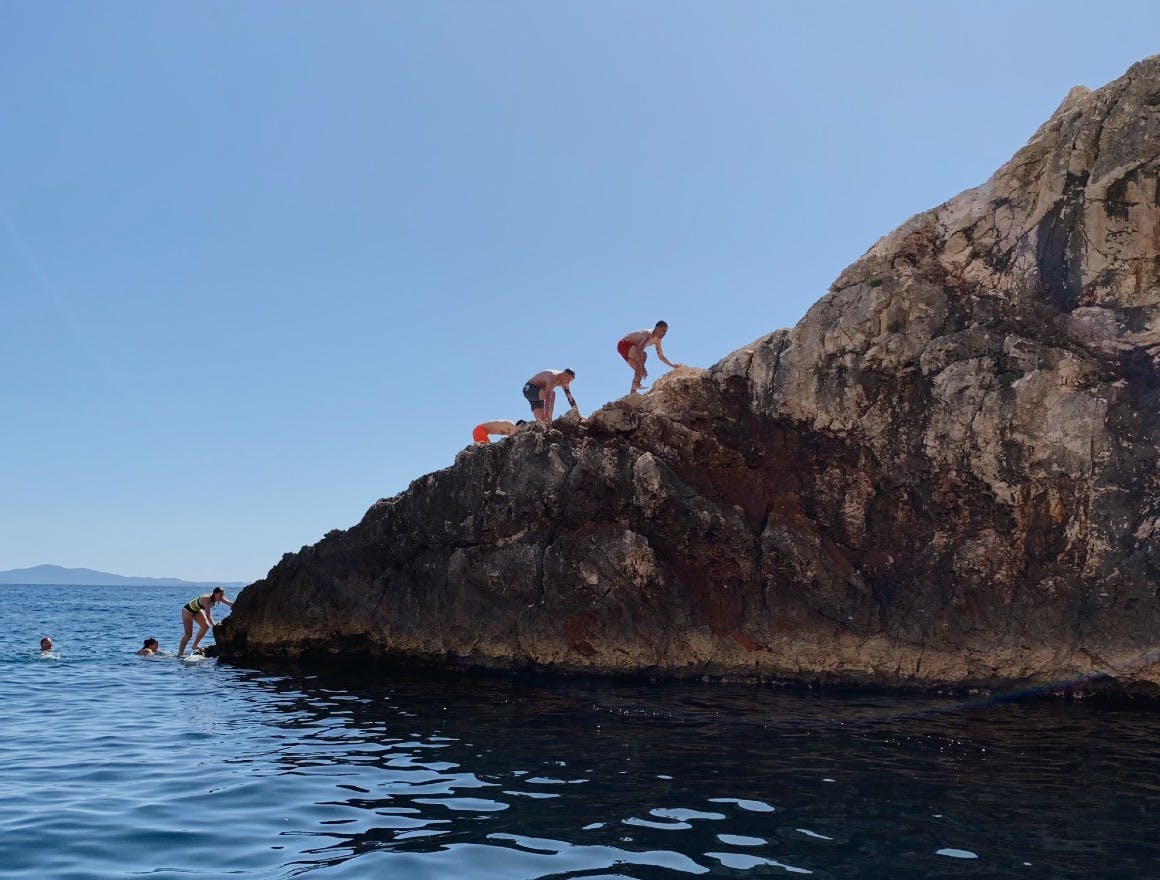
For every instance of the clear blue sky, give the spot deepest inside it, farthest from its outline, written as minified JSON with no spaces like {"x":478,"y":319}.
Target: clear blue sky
{"x":262,"y":263}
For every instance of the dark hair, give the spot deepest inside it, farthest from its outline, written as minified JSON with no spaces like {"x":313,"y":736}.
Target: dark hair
{"x":217,"y":590}
{"x":664,"y":324}
{"x":149,"y":641}
{"x":520,"y":422}
{"x":570,"y":372}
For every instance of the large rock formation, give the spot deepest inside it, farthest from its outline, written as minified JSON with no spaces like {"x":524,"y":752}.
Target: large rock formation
{"x":945,"y":474}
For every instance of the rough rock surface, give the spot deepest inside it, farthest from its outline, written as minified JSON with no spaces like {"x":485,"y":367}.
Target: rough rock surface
{"x":946,"y":473}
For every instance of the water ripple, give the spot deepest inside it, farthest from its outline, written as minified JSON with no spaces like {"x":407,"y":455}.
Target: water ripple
{"x":114,"y":766}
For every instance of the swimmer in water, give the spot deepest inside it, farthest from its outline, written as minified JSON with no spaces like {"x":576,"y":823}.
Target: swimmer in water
{"x":46,"y":644}
{"x":149,"y":648}
{"x":201,"y":610}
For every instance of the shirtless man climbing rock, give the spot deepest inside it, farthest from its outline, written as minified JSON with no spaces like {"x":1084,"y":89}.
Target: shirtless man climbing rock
{"x":500,"y":427}
{"x":632,"y":349}
{"x":540,"y":392}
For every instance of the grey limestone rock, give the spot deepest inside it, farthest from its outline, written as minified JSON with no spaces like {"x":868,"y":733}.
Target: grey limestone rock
{"x":945,"y":474}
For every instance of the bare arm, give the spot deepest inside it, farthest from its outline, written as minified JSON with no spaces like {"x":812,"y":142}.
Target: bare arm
{"x":571,"y":399}
{"x":661,"y":354}
{"x":209,"y":611}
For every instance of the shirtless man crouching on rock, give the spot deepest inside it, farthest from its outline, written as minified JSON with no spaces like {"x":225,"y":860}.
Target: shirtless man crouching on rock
{"x":540,"y":392}
{"x":500,"y":427}
{"x":632,"y":348}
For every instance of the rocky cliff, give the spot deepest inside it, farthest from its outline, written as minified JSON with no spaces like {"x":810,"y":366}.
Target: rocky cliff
{"x":946,"y":473}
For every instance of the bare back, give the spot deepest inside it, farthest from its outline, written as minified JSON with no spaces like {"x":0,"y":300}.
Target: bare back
{"x":499,"y":426}
{"x":550,"y":379}
{"x":641,"y":338}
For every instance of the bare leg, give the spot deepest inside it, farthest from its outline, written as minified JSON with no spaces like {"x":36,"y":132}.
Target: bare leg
{"x":203,"y":625}
{"x":636,"y":359}
{"x":187,"y":622}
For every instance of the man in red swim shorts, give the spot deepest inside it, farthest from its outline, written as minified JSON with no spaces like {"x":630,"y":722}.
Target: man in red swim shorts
{"x":632,"y":349}
{"x":501,"y":427}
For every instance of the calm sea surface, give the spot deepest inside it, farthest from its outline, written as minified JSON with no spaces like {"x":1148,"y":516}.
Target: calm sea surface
{"x":118,"y":766}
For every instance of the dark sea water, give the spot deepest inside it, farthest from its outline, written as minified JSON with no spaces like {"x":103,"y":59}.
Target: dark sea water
{"x":117,"y":766}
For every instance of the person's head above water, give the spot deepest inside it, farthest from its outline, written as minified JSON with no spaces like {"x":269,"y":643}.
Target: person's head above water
{"x":148,"y":648}
{"x":46,"y":644}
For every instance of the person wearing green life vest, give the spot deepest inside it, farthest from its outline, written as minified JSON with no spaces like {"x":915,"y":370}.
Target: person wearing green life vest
{"x":200,"y":609}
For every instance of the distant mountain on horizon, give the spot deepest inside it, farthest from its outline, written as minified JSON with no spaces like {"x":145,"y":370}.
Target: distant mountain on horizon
{"x":55,"y":574}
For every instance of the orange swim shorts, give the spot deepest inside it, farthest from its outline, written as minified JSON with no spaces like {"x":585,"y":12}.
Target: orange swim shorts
{"x":479,"y":435}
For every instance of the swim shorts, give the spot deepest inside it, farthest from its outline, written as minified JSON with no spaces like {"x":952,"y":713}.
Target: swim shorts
{"x":622,"y":349}
{"x":532,"y":394}
{"x":479,"y":435}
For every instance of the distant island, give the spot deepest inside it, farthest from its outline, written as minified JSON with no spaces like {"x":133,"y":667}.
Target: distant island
{"x":55,"y":574}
